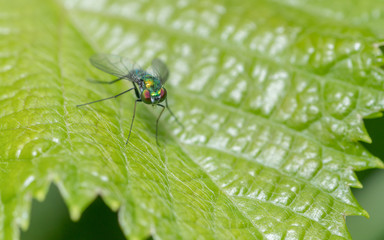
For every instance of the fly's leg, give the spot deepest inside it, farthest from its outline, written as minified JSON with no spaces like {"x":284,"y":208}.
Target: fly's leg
{"x":157,"y":121}
{"x":102,"y":82}
{"x":105,"y":98}
{"x":173,"y":115}
{"x":136,"y":91}
{"x":133,"y":119}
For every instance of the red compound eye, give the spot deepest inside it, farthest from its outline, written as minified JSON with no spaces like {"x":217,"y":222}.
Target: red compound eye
{"x":146,"y":97}
{"x":163,"y":94}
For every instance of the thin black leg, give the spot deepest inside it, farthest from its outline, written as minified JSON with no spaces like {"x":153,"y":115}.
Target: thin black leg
{"x":136,"y":91}
{"x":103,"y":82}
{"x":133,"y":119}
{"x":157,"y":121}
{"x":173,"y":115}
{"x":105,"y":98}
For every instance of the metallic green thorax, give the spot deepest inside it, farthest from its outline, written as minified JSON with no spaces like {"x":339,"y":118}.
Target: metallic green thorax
{"x":153,"y":85}
{"x":148,"y":81}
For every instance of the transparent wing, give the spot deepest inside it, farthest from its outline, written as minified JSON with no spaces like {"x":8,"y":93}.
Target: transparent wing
{"x":160,"y":70}
{"x":113,"y":64}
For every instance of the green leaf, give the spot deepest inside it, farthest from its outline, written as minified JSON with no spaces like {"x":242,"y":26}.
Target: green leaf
{"x":271,"y":94}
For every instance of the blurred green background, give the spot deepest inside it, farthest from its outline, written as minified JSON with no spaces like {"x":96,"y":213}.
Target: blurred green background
{"x":50,"y":221}
{"x":50,"y":218}
{"x":371,"y":195}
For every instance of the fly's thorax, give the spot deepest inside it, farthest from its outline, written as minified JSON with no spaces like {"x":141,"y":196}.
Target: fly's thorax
{"x":144,"y":79}
{"x":151,"y":83}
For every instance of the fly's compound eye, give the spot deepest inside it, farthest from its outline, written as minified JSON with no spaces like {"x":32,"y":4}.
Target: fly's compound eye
{"x":146,"y":96}
{"x":163,"y":94}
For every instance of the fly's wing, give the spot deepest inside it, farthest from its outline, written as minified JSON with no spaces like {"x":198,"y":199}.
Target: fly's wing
{"x":160,"y":70}
{"x":113,"y":64}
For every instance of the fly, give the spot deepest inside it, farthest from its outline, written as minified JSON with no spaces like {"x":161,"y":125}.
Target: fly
{"x":147,"y":84}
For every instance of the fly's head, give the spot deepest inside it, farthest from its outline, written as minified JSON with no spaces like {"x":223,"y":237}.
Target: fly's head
{"x":153,"y":97}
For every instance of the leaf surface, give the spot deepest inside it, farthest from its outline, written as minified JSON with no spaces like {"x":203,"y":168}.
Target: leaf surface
{"x":271,"y":95}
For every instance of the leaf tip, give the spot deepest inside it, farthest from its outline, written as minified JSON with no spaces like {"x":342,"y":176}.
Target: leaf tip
{"x":75,"y":212}
{"x":40,"y":195}
{"x":366,"y":138}
{"x":361,"y":212}
{"x":364,"y":213}
{"x":112,"y":203}
{"x":380,"y":164}
{"x":374,"y":115}
{"x":358,"y":185}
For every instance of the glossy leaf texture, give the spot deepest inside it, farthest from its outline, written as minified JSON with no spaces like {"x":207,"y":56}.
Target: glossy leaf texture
{"x":271,"y":95}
